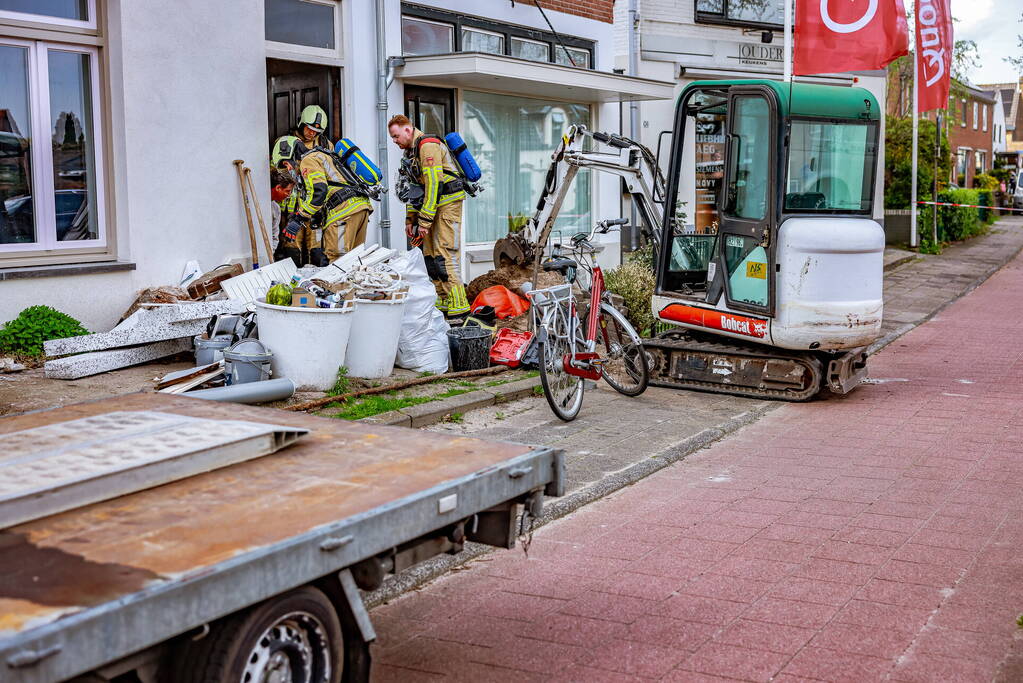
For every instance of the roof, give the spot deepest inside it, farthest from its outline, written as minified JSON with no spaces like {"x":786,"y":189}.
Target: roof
{"x":1010,"y":101}
{"x":810,"y":99}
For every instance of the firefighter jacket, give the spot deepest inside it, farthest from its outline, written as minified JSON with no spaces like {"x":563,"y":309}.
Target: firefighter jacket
{"x":435,"y":169}
{"x":326,"y":190}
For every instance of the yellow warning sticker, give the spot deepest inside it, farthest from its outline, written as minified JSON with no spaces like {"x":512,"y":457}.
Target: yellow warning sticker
{"x":757,"y":270}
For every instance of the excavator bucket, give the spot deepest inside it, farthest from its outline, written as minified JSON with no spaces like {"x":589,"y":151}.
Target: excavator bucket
{"x":513,"y":249}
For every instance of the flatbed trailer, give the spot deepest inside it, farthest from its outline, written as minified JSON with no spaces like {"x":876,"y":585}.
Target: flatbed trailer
{"x":189,"y":580}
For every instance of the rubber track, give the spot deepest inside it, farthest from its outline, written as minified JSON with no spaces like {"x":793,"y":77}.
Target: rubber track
{"x":681,"y":341}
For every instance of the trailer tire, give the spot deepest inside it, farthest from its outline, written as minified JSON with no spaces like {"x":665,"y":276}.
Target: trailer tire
{"x":286,"y":630}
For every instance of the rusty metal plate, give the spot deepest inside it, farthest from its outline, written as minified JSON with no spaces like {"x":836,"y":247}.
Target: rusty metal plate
{"x":58,"y":467}
{"x":76,"y":559}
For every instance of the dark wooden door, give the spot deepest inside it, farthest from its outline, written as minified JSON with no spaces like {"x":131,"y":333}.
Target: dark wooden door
{"x":292,"y":86}
{"x":432,"y":110}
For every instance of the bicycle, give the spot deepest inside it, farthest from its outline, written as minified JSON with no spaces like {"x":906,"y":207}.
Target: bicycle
{"x":568,"y":356}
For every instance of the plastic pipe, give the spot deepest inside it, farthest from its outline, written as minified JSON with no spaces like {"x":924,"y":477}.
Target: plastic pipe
{"x":251,"y":392}
{"x":382,"y":83}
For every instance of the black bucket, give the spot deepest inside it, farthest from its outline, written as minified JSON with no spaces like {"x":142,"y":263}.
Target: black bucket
{"x":470,"y":348}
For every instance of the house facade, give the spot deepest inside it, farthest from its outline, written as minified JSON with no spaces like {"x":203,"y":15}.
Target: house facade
{"x":120,"y":122}
{"x":971,"y":133}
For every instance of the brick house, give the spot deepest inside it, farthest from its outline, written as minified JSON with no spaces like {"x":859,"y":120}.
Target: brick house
{"x":970,"y":132}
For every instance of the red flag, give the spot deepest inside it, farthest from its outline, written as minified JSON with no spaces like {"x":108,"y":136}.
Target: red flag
{"x":848,"y":35}
{"x":934,"y":58}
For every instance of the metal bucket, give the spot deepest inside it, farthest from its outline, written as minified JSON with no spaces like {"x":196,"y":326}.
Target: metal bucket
{"x":247,"y":361}
{"x":210,"y":350}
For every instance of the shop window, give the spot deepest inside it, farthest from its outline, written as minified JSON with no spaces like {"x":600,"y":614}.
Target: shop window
{"x":65,"y":12}
{"x":309,"y":23}
{"x":50,"y":157}
{"x":770,"y":12}
{"x":511,"y":140}
{"x":420,"y":37}
{"x":475,"y":40}
{"x":532,"y":50}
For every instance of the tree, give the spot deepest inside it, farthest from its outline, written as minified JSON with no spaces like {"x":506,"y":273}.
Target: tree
{"x":898,"y":160}
{"x":1017,"y":61}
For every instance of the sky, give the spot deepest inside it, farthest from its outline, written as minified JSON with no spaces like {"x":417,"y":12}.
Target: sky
{"x":994,"y":25}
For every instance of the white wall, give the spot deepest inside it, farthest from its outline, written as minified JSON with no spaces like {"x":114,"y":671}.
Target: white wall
{"x":188,"y":95}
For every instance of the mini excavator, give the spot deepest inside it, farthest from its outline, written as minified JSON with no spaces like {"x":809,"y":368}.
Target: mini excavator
{"x":768,"y":261}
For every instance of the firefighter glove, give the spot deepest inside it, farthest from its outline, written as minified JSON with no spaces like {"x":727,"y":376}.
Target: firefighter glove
{"x":292,"y":228}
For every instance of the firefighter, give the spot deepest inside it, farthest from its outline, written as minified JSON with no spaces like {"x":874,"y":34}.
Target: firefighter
{"x":312,"y":128}
{"x":436,"y":221}
{"x":286,"y":156}
{"x":327,"y":198}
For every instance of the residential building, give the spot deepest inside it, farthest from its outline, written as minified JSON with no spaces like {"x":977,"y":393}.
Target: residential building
{"x":144,"y":108}
{"x":1011,"y":95}
{"x":970,"y":133}
{"x":998,"y":141}
{"x":682,"y":41}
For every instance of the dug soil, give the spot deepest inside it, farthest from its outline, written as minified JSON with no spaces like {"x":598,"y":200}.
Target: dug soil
{"x":512,"y":277}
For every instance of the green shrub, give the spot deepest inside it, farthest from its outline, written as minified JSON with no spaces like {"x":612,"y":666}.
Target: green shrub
{"x":634,"y":282}
{"x":984,"y":181}
{"x":341,"y":383}
{"x":35,"y":325}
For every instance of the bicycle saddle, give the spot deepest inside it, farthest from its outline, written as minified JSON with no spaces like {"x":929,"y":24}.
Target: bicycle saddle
{"x":561,"y":265}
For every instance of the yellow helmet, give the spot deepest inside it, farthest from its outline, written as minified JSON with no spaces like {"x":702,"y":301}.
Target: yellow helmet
{"x":314,"y":117}
{"x":286,"y":148}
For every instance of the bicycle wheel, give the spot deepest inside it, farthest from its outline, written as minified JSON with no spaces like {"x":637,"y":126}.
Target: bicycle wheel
{"x":621,"y":350}
{"x":564,"y":392}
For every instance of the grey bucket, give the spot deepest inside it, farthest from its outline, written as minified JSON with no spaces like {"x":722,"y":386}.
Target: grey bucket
{"x":210,"y":350}
{"x":247,"y":361}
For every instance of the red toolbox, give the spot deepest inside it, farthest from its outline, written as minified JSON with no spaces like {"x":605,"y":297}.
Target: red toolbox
{"x":509,"y":346}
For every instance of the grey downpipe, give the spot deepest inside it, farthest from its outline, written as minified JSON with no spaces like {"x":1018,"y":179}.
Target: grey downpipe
{"x":250,"y":392}
{"x":634,"y":105}
{"x":383,"y":81}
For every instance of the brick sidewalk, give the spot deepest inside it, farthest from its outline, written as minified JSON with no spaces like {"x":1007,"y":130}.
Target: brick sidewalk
{"x":869,"y":537}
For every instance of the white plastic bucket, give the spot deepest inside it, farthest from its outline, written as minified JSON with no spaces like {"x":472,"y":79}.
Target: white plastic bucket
{"x":308,"y":344}
{"x":374,"y":340}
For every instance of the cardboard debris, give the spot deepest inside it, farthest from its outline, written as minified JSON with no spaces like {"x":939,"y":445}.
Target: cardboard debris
{"x":194,"y":382}
{"x":209,"y":283}
{"x":86,"y":364}
{"x":179,"y":376}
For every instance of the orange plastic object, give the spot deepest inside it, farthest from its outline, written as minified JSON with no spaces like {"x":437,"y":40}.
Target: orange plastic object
{"x":509,"y":347}
{"x":506,"y":303}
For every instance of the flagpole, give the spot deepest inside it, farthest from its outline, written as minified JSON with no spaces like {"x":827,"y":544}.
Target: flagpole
{"x":913,"y":236}
{"x":788,"y":41}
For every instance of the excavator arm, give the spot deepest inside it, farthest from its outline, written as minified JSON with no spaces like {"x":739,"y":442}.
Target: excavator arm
{"x":629,"y":160}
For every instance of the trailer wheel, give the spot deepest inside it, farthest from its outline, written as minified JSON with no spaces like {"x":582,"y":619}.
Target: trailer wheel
{"x":292,"y":638}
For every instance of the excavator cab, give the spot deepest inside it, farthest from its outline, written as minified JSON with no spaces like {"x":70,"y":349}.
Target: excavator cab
{"x":768,"y":207}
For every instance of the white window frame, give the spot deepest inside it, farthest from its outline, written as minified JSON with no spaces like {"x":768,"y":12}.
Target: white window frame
{"x":45,"y":213}
{"x":321,"y":55}
{"x":90,"y":23}
{"x":421,"y":20}
{"x":483,"y":31}
{"x":984,"y":116}
{"x":975,"y":117}
{"x":512,"y":39}
{"x":965,"y":110}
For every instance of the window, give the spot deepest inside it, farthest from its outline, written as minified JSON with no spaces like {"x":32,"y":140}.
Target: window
{"x":975,"y":117}
{"x":770,"y":12}
{"x":980,"y":160}
{"x":420,"y":37}
{"x":475,"y":40}
{"x":570,"y":56}
{"x":962,"y":122}
{"x":750,"y":172}
{"x":430,"y":31}
{"x":831,"y":167}
{"x":961,"y":155}
{"x":511,"y":140}
{"x":985,"y":117}
{"x":50,"y":181}
{"x":309,"y":23}
{"x":60,"y":12}
{"x":530,"y":49}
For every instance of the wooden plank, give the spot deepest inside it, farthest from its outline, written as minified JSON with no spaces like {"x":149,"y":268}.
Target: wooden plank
{"x":193,"y":382}
{"x":54,"y":468}
{"x":86,"y":364}
{"x":179,"y":376}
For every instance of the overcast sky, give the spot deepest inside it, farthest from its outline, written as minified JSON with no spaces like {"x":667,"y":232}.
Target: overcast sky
{"x":994,"y":25}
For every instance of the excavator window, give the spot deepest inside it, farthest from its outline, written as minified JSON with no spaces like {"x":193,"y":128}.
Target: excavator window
{"x":831,"y":166}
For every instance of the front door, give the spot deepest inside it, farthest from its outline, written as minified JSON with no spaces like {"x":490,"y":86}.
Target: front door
{"x":292,"y":86}
{"x":432,"y":110}
{"x":747,"y":201}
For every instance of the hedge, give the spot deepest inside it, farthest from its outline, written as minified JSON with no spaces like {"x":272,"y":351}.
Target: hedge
{"x":957,"y":223}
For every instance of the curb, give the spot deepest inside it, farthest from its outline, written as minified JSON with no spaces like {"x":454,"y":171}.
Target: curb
{"x":432,"y":412}
{"x":892,"y":265}
{"x":418,"y":575}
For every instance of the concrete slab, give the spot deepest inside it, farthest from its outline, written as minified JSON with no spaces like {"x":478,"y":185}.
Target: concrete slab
{"x":86,"y":364}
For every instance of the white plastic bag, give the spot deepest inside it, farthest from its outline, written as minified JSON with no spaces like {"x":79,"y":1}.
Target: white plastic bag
{"x":423,"y":341}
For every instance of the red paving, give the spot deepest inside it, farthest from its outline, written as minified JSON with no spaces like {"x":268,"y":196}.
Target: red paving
{"x":871,"y":537}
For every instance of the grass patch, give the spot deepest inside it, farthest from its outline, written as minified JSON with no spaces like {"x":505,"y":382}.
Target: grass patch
{"x":381,"y":403}
{"x":454,"y":417}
